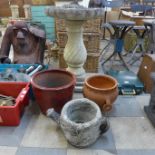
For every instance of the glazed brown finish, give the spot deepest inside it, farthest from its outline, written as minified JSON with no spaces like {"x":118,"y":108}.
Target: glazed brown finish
{"x":146,"y":68}
{"x":28,"y":46}
{"x":101,"y":83}
{"x":5,"y":11}
{"x":53,"y":88}
{"x":101,"y":89}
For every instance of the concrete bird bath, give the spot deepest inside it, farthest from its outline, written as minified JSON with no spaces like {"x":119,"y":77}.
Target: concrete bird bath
{"x":75,"y":15}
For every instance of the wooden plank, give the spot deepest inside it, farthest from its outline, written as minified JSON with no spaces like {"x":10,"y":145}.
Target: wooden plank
{"x":43,"y":20}
{"x":5,"y":10}
{"x":38,"y":14}
{"x":38,"y":8}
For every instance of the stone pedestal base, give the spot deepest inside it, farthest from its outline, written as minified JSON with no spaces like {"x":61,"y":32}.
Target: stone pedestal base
{"x":80,"y":82}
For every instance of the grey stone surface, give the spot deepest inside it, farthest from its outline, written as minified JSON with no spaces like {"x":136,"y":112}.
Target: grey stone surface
{"x":5,"y":150}
{"x":75,"y":12}
{"x":136,"y":152}
{"x":88,"y":152}
{"x":12,"y":136}
{"x":105,"y":142}
{"x":42,"y":132}
{"x":143,"y":100}
{"x":126,"y":106}
{"x":40,"y":151}
{"x":133,"y":133}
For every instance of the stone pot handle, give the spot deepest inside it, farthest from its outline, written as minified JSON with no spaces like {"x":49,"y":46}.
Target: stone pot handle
{"x":104,"y":125}
{"x":107,"y":106}
{"x":53,"y":115}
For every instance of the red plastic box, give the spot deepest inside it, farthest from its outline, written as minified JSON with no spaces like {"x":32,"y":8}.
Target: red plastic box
{"x":10,"y":115}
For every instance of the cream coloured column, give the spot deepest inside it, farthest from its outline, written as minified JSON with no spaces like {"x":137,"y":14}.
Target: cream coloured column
{"x":75,"y":53}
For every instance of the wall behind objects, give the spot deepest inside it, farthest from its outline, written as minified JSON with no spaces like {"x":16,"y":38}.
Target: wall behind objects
{"x":6,"y":12}
{"x":61,"y":2}
{"x":5,"y":9}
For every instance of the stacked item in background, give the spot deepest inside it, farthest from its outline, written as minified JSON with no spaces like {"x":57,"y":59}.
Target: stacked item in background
{"x":91,"y":36}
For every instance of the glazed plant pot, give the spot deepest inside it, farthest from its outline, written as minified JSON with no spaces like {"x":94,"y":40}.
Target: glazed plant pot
{"x":102,"y":89}
{"x":81,"y":121}
{"x":53,"y":88}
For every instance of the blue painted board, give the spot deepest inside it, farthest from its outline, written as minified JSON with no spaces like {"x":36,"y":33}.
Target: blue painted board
{"x":38,"y":14}
{"x":40,"y":8}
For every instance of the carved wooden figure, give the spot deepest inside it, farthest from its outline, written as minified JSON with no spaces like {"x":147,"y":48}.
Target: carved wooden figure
{"x":28,"y":43}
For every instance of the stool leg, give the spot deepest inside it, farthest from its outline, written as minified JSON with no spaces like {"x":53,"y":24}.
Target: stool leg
{"x":105,"y":47}
{"x":102,"y":63}
{"x":133,"y":53}
{"x":134,"y":60}
{"x":105,"y":19}
{"x":121,"y":58}
{"x":142,"y":50}
{"x":102,"y":53}
{"x":142,"y":54}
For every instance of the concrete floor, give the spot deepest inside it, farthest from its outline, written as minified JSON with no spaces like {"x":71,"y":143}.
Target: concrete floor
{"x":130,"y":133}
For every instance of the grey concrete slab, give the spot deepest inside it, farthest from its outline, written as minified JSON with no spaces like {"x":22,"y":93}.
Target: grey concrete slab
{"x":40,"y":151}
{"x":5,"y":150}
{"x":143,"y":100}
{"x":88,"y":152}
{"x":126,"y":106}
{"x":136,"y":152}
{"x":12,"y":136}
{"x":44,"y":133}
{"x":77,"y":95}
{"x":105,"y":142}
{"x":133,"y":133}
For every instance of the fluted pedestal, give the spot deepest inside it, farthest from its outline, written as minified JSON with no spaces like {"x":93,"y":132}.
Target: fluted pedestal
{"x":75,"y":15}
{"x":75,"y":53}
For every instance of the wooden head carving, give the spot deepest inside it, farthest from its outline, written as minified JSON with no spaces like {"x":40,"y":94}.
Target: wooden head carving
{"x":28,"y":43}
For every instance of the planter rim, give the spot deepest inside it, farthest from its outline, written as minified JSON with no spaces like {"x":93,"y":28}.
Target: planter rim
{"x":101,"y":89}
{"x":98,"y":115}
{"x":56,"y":88}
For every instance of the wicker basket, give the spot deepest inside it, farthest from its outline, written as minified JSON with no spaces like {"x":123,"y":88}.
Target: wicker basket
{"x":51,"y":54}
{"x":130,"y":41}
{"x":92,"y":26}
{"x":91,"y":64}
{"x":92,"y":61}
{"x":91,"y":40}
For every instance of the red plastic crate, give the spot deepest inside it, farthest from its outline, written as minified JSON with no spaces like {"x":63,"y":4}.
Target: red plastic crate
{"x":10,"y":115}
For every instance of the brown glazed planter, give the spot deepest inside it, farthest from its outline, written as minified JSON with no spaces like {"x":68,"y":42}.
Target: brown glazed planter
{"x":53,"y":88}
{"x":102,"y":89}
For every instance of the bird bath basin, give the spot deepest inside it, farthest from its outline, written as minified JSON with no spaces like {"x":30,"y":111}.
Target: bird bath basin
{"x":75,"y":15}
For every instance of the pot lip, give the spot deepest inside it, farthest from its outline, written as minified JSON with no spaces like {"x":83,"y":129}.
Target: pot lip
{"x":56,"y":88}
{"x":97,"y":117}
{"x":103,"y":89}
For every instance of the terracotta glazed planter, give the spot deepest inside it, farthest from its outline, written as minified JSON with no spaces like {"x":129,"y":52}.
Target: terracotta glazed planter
{"x":81,"y":121}
{"x":101,"y":89}
{"x":53,"y":88}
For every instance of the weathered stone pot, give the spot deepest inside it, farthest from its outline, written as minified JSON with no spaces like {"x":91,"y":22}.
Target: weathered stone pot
{"x":81,"y":121}
{"x":53,"y":88}
{"x":102,"y":89}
